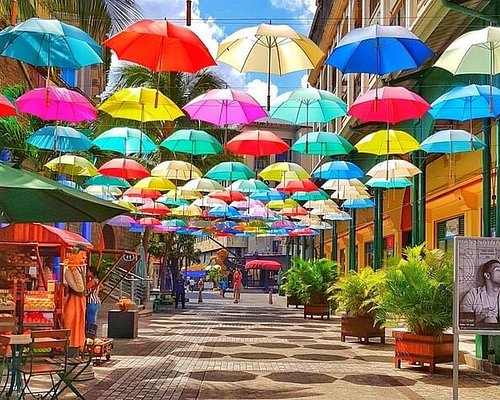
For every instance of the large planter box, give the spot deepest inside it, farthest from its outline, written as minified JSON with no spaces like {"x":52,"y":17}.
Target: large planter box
{"x":293,"y":301}
{"x":361,"y":328}
{"x":320,"y":310}
{"x":420,"y":349}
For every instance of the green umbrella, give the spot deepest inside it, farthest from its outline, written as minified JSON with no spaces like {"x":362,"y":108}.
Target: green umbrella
{"x":29,"y":197}
{"x":229,"y":171}
{"x":172,"y":202}
{"x":310,"y":196}
{"x":247,"y":185}
{"x":323,"y":144}
{"x":102,"y":180}
{"x":192,"y":142}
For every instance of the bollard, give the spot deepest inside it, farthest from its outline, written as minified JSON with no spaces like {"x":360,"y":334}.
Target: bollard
{"x":271,"y":296}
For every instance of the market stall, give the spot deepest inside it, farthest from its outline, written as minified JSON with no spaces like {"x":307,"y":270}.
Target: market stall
{"x":31,"y":295}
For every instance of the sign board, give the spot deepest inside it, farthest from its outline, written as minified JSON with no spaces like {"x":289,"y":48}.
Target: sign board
{"x":477,"y":285}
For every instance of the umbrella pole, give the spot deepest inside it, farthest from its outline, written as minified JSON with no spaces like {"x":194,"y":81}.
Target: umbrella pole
{"x":269,"y":75}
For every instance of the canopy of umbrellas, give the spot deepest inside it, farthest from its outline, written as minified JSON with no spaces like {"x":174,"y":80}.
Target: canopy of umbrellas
{"x":246,"y":205}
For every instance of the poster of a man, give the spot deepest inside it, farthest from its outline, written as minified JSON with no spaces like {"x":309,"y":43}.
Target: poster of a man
{"x":477,"y":284}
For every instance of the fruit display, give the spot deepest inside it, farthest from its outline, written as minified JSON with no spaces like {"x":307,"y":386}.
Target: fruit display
{"x":38,"y":300}
{"x":36,"y":317}
{"x":6,"y":300}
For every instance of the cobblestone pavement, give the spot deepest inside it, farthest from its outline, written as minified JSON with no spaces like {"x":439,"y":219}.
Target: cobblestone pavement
{"x":252,"y":350}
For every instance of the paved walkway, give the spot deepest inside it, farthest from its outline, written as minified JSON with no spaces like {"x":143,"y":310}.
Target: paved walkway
{"x":252,"y":350}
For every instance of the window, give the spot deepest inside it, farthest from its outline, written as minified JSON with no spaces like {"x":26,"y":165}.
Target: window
{"x":358,"y":14}
{"x":373,"y":6}
{"x":398,"y":14}
{"x":285,"y":156}
{"x":261,"y":162}
{"x":369,"y":254}
{"x":447,"y":230}
{"x":388,"y":250}
{"x":357,"y":86}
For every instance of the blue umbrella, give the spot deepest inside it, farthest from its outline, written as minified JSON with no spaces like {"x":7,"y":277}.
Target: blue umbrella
{"x":358,"y":203}
{"x":379,"y":50}
{"x":49,"y":42}
{"x":338,"y":170}
{"x":451,"y":141}
{"x":467,"y":102}
{"x":125,"y":141}
{"x":72,"y":184}
{"x":339,"y":216}
{"x":267,"y":195}
{"x":60,"y":138}
{"x":102,"y":180}
{"x":223,"y":211}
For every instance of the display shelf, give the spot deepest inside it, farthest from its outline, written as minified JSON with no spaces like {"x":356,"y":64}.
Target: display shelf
{"x":38,"y":324}
{"x":8,"y":308}
{"x":34,"y":309}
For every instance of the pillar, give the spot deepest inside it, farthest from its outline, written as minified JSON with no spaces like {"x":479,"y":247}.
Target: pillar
{"x":378,"y":228}
{"x":321,"y":243}
{"x":497,"y":194}
{"x":56,"y":270}
{"x":334,"y":241}
{"x":352,"y":242}
{"x":303,"y":254}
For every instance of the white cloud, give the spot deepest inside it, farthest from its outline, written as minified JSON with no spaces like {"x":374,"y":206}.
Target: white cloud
{"x":258,"y":89}
{"x":304,"y":81}
{"x":304,"y":8}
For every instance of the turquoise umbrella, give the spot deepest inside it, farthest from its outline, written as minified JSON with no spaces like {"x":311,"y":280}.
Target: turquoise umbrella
{"x":102,"y":180}
{"x":267,"y":195}
{"x":391,"y":183}
{"x":248,"y":186}
{"x":49,"y":43}
{"x":310,"y":196}
{"x":229,"y":171}
{"x":177,"y":223}
{"x":192,"y":141}
{"x":60,"y":138}
{"x":125,"y":141}
{"x":172,"y":201}
{"x":322,"y":143}
{"x":451,"y":141}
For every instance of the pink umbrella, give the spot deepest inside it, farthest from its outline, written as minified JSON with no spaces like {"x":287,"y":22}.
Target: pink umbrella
{"x":244,"y":204}
{"x":57,"y":104}
{"x":225,"y":107}
{"x":389,"y":104}
{"x":124,"y":168}
{"x":154,"y":209}
{"x":283,"y":224}
{"x":149,"y":221}
{"x":260,"y":212}
{"x":137,"y":199}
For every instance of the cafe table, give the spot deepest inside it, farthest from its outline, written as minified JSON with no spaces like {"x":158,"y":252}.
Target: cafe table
{"x":17,"y":343}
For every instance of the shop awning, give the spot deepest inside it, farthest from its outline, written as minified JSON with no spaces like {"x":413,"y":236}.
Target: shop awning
{"x":269,"y":265}
{"x":41,"y":234}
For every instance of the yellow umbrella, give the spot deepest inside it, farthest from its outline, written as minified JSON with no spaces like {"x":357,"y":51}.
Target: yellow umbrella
{"x":72,"y":165}
{"x":280,"y":204}
{"x":177,"y":170}
{"x":187,"y":211}
{"x":155,"y":183}
{"x":271,"y":49}
{"x":284,"y":171}
{"x":141,"y":104}
{"x":387,"y":141}
{"x":126,"y":204}
{"x":183,"y":194}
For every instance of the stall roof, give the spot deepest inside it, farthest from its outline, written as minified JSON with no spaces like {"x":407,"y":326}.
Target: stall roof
{"x":41,"y":234}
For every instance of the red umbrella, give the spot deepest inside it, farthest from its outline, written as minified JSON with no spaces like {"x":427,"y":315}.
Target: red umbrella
{"x":293,"y":186}
{"x":124,"y":168}
{"x":7,"y":109}
{"x":154,"y":208}
{"x":161,"y":46}
{"x":269,"y":265}
{"x":303,"y":232}
{"x":228,"y":196}
{"x":257,"y":143}
{"x":148,"y":221}
{"x":144,"y":193}
{"x":389,"y":104}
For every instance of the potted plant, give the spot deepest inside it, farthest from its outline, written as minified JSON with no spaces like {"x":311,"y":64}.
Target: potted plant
{"x":419,"y":289}
{"x":309,"y":281}
{"x":291,"y":287}
{"x":358,"y":294}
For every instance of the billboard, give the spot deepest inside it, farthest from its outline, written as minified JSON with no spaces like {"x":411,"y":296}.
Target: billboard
{"x":477,"y":285}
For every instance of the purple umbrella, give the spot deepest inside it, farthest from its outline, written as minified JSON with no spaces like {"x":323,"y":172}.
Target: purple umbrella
{"x":260,"y":212}
{"x":225,"y":107}
{"x":121,"y":220}
{"x":283,"y":224}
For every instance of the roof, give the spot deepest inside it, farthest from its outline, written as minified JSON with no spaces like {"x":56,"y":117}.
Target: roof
{"x":41,"y":234}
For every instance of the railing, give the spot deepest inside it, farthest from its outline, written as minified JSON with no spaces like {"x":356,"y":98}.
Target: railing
{"x":130,"y":285}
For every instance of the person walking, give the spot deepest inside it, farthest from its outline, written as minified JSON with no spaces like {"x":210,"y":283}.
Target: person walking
{"x":223,"y":288}
{"x":237,"y":286}
{"x":201,"y":286}
{"x":191,"y":284}
{"x":180,"y":291}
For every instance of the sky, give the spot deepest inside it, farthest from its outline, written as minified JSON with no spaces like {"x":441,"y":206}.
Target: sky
{"x":213,"y":20}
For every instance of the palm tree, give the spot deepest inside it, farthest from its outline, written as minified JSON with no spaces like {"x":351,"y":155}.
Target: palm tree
{"x":99,"y":18}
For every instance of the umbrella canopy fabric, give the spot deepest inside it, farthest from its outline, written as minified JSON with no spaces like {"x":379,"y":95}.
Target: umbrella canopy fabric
{"x":392,"y":169}
{"x":260,"y":212}
{"x":208,"y":201}
{"x":268,"y":265}
{"x":320,"y":203}
{"x":7,"y":109}
{"x":155,"y":183}
{"x":182,"y":193}
{"x":149,"y":221}
{"x":467,"y":102}
{"x":323,"y":144}
{"x":228,"y":196}
{"x":267,"y":195}
{"x":338,"y":170}
{"x":379,"y":49}
{"x":141,"y":104}
{"x":161,"y":46}
{"x":387,"y":141}
{"x":154,"y":208}
{"x":283,"y":171}
{"x":223,"y":211}
{"x":56,"y":104}
{"x":125,"y":204}
{"x":49,"y":42}
{"x":123,"y":221}
{"x":98,"y":190}
{"x":125,"y":141}
{"x":358,"y":203}
{"x":389,"y":104}
{"x":293,"y":211}
{"x":395,"y":183}
{"x":248,"y":186}
{"x":337,"y":184}
{"x":60,"y":138}
{"x":257,"y":143}
{"x":142,"y":193}
{"x":172,"y":202}
{"x":29,"y":197}
{"x":276,"y":49}
{"x":203,"y":185}
{"x":280,"y":204}
{"x":338,"y":216}
{"x":102,"y":180}
{"x":304,"y":185}
{"x":246,"y":203}
{"x":310,"y":196}
{"x":229,"y":171}
{"x":451,"y":141}
{"x":305,"y":105}
{"x":177,"y":170}
{"x":124,"y":168}
{"x":72,"y":165}
{"x":187,"y":211}
{"x":225,"y":107}
{"x":475,"y":52}
{"x":192,"y":141}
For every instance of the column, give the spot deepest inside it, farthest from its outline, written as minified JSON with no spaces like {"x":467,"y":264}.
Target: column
{"x":352,"y":242}
{"x":334,"y":241}
{"x":378,"y":228}
{"x":321,"y":243}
